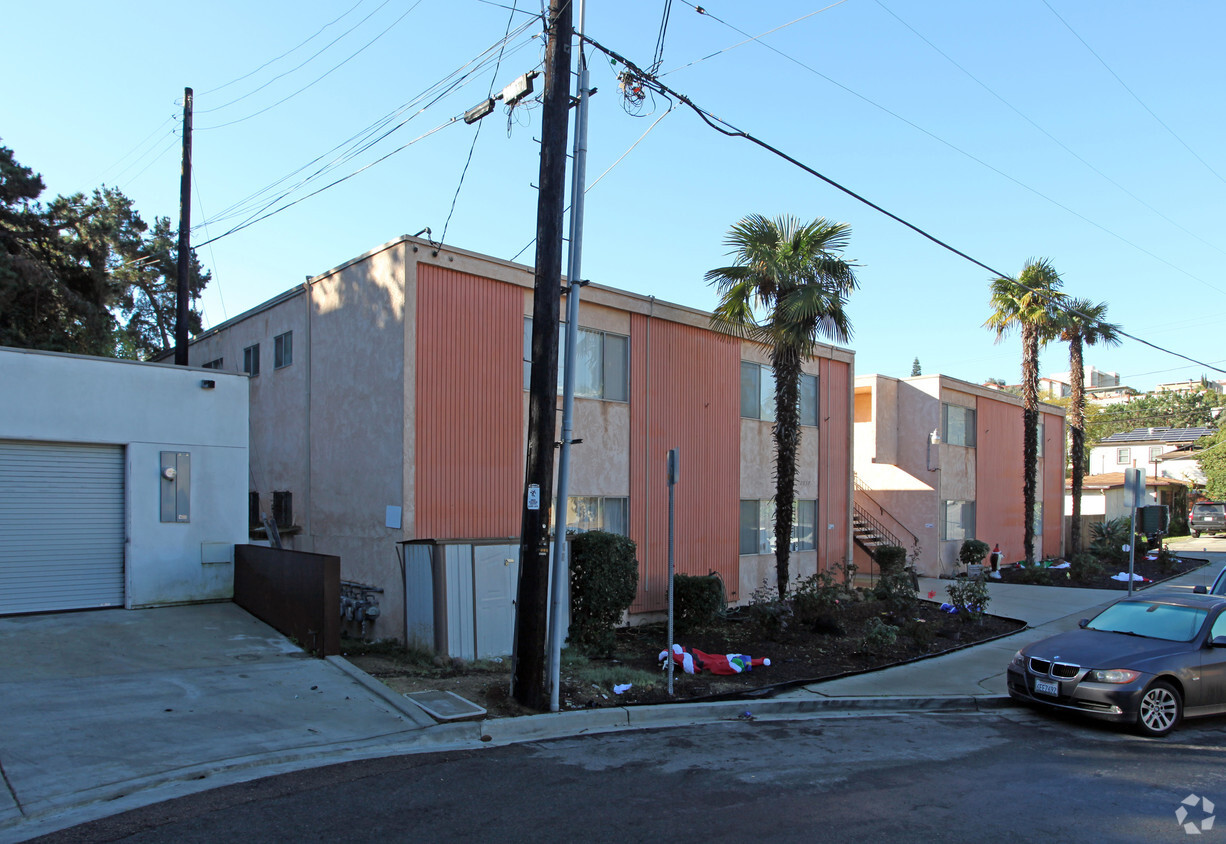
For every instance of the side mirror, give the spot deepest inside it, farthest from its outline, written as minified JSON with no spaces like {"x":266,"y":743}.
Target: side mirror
{"x":1218,"y":642}
{"x":1083,"y":622}
{"x":1201,"y":589}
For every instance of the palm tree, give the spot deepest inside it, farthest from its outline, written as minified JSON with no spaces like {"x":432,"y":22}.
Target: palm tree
{"x":1081,"y":323}
{"x":1028,"y":303}
{"x":791,"y":274}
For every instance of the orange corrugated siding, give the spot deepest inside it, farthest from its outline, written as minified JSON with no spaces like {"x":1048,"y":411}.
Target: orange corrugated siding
{"x":1053,"y":485}
{"x":998,"y":477}
{"x":684,"y":394}
{"x":468,"y":437}
{"x":834,"y":463}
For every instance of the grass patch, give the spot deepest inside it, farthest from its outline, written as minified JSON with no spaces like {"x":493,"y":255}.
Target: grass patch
{"x":603,"y":673}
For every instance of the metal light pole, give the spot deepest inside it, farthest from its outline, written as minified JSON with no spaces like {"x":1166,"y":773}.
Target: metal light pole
{"x":561,"y":564}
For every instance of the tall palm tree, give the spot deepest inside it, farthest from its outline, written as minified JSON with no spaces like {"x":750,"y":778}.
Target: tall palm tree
{"x":1081,"y":323}
{"x":786,"y":288}
{"x":1027,"y":303}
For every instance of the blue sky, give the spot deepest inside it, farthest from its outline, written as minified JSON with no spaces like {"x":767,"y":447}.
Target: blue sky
{"x":1086,"y":132}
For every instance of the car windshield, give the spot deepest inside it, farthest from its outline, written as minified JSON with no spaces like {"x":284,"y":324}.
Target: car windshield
{"x":1151,"y":619}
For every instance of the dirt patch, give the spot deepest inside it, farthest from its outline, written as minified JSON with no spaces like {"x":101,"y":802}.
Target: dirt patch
{"x":838,"y":644}
{"x":1153,"y":570}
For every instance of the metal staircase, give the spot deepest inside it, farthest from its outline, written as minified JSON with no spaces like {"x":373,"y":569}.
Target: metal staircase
{"x":869,"y":529}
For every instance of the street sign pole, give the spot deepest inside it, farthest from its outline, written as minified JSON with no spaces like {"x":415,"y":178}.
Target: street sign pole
{"x":1134,"y":494}
{"x":673,"y":470}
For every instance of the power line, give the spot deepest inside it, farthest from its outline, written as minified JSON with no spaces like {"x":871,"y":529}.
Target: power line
{"x":1124,"y":85}
{"x":302,"y":44}
{"x":974,"y":158}
{"x":327,"y":73}
{"x":170,"y":119}
{"x":299,"y":66}
{"x":1049,"y":135}
{"x":726,"y":128}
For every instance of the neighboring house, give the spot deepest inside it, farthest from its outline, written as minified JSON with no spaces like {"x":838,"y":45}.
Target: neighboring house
{"x":1162,"y":452}
{"x":1059,"y":385}
{"x":1192,"y":385}
{"x":939,"y":461}
{"x":1102,"y":498}
{"x":121,"y":483}
{"x":389,"y":406}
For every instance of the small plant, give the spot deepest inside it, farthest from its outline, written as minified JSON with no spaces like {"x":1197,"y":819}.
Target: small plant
{"x":879,"y":635}
{"x":919,"y":631}
{"x":604,"y":576}
{"x":1166,"y":560}
{"x":1086,"y":567}
{"x":697,"y":599}
{"x":897,"y":586}
{"x":1107,"y":539}
{"x":972,"y":552}
{"x":767,"y":611}
{"x":816,"y":598}
{"x":970,"y":596}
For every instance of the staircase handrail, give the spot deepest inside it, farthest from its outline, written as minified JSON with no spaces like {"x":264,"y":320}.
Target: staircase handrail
{"x":863,"y":513}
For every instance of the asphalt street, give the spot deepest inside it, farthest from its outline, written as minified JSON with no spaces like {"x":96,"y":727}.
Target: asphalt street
{"x":1005,"y":775}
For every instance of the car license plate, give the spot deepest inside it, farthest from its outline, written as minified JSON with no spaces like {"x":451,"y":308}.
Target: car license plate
{"x":1045,"y":687}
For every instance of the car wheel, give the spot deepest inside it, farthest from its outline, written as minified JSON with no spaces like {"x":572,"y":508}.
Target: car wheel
{"x":1196,"y":534}
{"x":1161,"y":709}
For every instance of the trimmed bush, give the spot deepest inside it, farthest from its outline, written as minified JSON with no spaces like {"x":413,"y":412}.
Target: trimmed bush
{"x":1086,"y":567}
{"x":972,"y":552}
{"x":697,"y":599}
{"x":878,"y":635}
{"x":604,"y":575}
{"x":897,"y":585}
{"x":890,"y":558}
{"x":970,"y":595}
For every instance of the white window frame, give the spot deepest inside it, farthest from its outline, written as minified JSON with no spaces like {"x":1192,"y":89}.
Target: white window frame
{"x":1123,"y":456}
{"x":598,"y":512}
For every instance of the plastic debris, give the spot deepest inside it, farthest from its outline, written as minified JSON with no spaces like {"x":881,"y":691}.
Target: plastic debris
{"x":1122,"y":577}
{"x":693,"y":661}
{"x":621,"y":687}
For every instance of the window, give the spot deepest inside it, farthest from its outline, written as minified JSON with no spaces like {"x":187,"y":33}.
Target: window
{"x":957,"y":520}
{"x":584,"y":513}
{"x":283,"y":508}
{"x":1123,"y":455}
{"x":1037,"y":527}
{"x":253,"y":509}
{"x":251,"y":360}
{"x":213,"y":364}
{"x":602,"y":363}
{"x":1155,"y":451}
{"x":1039,"y":440}
{"x":758,"y":394}
{"x":958,"y":425}
{"x":283,"y":350}
{"x":757,"y":529}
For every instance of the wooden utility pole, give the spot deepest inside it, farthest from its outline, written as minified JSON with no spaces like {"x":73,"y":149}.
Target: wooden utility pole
{"x":531,"y":609}
{"x":185,"y":238}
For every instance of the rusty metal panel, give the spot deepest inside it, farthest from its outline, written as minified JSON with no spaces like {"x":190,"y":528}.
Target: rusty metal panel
{"x":1053,"y":485}
{"x":998,"y":477}
{"x":685,"y":395}
{"x":295,"y":592}
{"x":469,"y":427}
{"x":834,"y":463}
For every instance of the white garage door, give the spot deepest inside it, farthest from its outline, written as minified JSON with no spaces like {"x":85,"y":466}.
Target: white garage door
{"x":61,"y":526}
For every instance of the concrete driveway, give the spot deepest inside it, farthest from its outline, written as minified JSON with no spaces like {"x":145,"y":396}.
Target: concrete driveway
{"x":98,"y":705}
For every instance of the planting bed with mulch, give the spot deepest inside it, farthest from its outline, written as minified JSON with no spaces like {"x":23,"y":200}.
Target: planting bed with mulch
{"x":1152,"y":569}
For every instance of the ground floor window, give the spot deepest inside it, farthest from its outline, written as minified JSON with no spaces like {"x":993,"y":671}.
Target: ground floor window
{"x":585,"y":512}
{"x":957,"y":520}
{"x":757,"y":530}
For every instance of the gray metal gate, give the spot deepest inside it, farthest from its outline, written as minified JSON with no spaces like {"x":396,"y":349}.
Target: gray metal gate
{"x":61,"y":526}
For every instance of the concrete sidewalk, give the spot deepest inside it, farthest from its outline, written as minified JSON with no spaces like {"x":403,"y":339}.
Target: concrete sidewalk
{"x":101,"y":712}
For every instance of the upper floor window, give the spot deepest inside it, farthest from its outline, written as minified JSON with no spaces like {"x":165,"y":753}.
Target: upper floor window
{"x":1123,"y":455}
{"x":1155,"y":451}
{"x":958,"y":425}
{"x":602,"y":363}
{"x":213,"y":364}
{"x":251,"y":360}
{"x":283,"y":350}
{"x":1042,"y":430}
{"x":758,"y":394}
{"x":957,"y":520}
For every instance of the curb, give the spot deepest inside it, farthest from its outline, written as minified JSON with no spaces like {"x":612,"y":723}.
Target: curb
{"x":398,"y":702}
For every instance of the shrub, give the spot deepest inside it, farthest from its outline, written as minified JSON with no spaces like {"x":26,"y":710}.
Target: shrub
{"x":697,"y":599}
{"x":604,"y":575}
{"x":1086,"y":567}
{"x":816,"y":598}
{"x":897,"y":586}
{"x":1107,"y":539}
{"x":766,"y":611}
{"x":1035,"y":574}
{"x":970,"y":596}
{"x":972,"y":551}
{"x":879,"y":635}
